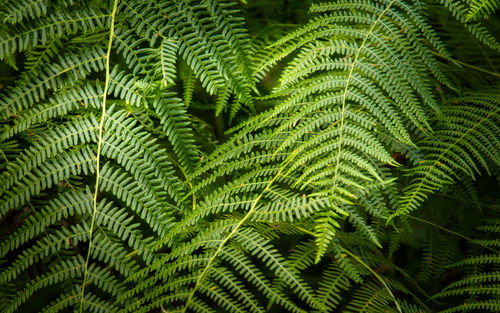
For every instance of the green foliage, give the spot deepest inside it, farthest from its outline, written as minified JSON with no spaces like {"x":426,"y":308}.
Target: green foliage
{"x":481,"y":9}
{"x":465,"y":139}
{"x":275,"y":156}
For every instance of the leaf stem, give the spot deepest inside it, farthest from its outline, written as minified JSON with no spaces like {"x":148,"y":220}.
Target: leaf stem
{"x":452,"y":232}
{"x":231,"y":234}
{"x":5,"y":157}
{"x":355,"y":257}
{"x":322,"y":246}
{"x":99,"y":147}
{"x":477,"y":68}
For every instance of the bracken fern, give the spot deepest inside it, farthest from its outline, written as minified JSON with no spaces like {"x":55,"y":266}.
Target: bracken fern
{"x":114,"y":198}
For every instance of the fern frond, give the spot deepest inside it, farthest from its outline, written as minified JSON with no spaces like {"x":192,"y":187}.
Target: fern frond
{"x":35,"y":87}
{"x":51,"y":172}
{"x":210,"y":38}
{"x":120,"y":193}
{"x":468,"y":138}
{"x":333,"y":282}
{"x":460,"y":12}
{"x":177,"y":127}
{"x":53,"y":26}
{"x":480,"y":288}
{"x":481,"y":9}
{"x":371,"y":298}
{"x":15,"y":12}
{"x":329,"y":116}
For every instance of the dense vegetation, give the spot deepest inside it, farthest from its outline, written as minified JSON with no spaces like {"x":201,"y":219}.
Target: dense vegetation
{"x":249,"y":156}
